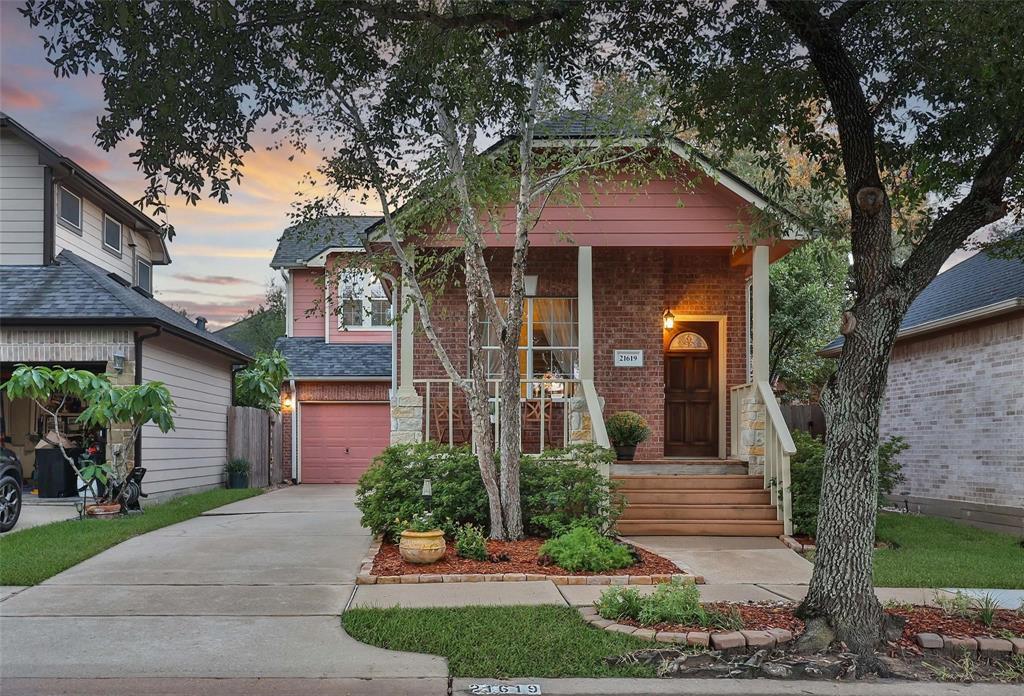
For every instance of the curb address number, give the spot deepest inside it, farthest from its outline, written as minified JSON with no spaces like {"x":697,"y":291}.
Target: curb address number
{"x":504,"y":689}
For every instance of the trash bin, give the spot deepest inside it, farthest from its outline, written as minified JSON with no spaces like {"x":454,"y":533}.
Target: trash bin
{"x":55,"y":477}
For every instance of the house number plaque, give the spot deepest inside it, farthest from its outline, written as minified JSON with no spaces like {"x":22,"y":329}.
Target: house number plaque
{"x":504,"y":689}
{"x":629,"y":358}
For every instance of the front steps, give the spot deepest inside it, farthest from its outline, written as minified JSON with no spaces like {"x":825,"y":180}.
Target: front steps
{"x":697,"y":505}
{"x":662,"y":467}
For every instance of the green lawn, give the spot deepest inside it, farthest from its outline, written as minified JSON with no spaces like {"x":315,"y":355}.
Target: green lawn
{"x":931,"y":552}
{"x":497,"y":642}
{"x":29,"y":556}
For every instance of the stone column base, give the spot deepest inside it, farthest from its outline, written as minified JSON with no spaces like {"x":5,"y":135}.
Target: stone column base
{"x":406,"y":418}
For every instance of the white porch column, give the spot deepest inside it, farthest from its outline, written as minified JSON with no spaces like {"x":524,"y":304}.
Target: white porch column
{"x":759,"y":313}
{"x":407,"y":405}
{"x":585,"y":307}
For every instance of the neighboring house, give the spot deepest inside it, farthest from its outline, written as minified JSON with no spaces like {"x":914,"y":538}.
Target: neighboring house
{"x":956,"y":395}
{"x":648,"y":308}
{"x":76,"y":281}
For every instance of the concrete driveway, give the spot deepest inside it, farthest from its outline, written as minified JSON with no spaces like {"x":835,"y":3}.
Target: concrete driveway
{"x":252,"y":589}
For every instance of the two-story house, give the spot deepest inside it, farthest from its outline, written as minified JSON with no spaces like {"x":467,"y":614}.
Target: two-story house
{"x":77,"y":269}
{"x":639,"y":298}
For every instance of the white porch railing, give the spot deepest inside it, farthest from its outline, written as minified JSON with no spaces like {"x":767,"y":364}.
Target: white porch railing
{"x":776,"y":446}
{"x":555,"y":406}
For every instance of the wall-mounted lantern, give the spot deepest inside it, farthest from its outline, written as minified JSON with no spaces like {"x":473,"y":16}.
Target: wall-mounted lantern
{"x":668,"y":320}
{"x":287,"y":402}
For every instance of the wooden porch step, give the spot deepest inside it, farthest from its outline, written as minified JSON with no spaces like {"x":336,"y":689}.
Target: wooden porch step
{"x":678,"y":482}
{"x":704,"y":496}
{"x":673,"y":512}
{"x":766,"y":528}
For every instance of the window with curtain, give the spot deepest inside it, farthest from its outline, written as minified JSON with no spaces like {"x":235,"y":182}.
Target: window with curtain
{"x":548,"y":341}
{"x":364,"y":302}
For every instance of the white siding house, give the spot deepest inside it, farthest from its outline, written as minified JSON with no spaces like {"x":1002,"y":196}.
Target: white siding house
{"x":21,"y":202}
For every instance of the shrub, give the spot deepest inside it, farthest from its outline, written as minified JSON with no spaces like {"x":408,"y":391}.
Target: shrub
{"x":565,"y":488}
{"x":237,"y":466}
{"x":618,"y":603}
{"x":807,"y":467}
{"x":559,"y":488}
{"x":391,"y":489}
{"x":583,"y":548}
{"x":421,"y":522}
{"x":627,"y":428}
{"x":675,"y":603}
{"x":470,"y":543}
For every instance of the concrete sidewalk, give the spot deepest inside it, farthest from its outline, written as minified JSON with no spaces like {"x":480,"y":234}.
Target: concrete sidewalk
{"x":252,"y":589}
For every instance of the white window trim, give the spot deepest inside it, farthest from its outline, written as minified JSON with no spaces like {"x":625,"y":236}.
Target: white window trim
{"x":367,"y":311}
{"x":529,"y":348}
{"x":120,"y":236}
{"x":76,"y":227}
{"x":143,"y":262}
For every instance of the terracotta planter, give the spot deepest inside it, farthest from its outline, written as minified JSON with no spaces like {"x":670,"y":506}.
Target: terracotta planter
{"x":422,"y":547}
{"x":103,"y":510}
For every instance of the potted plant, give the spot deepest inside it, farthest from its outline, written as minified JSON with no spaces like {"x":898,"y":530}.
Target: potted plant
{"x":626,"y":430}
{"x":238,"y":473}
{"x":422,"y":541}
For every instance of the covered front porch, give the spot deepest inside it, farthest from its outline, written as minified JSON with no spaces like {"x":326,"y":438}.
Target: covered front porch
{"x":679,"y":335}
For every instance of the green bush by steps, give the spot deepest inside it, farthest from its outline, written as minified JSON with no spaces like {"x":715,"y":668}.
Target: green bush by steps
{"x":584,"y":548}
{"x":807,"y":468}
{"x":674,"y":603}
{"x":559,"y":488}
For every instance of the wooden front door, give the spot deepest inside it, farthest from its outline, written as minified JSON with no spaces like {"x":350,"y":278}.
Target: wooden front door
{"x":691,"y":391}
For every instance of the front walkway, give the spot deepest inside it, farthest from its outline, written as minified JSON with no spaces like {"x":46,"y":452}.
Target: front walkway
{"x":252,"y":589}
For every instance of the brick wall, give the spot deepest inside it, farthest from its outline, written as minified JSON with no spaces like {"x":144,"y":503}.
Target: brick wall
{"x":327,"y":391}
{"x":632,"y":288}
{"x":958,"y":399}
{"x":65,"y":345}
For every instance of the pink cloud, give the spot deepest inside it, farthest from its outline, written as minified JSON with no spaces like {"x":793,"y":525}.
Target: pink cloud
{"x":90,"y":157}
{"x":212,"y":279}
{"x":13,"y":96}
{"x":218,"y":314}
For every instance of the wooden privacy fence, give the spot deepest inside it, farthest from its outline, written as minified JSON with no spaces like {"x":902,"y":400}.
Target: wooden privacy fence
{"x":249,"y":433}
{"x":806,"y":417}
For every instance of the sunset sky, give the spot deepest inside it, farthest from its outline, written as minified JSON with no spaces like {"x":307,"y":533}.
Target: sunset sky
{"x":220,"y":253}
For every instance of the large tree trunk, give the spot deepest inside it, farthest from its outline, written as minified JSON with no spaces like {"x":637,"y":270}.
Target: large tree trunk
{"x":511,"y":416}
{"x":841,"y":603}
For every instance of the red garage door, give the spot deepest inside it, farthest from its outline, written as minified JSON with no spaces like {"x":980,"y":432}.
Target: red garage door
{"x":339,"y":441}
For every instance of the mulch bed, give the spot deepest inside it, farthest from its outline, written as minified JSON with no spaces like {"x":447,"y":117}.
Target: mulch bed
{"x":508,"y":557}
{"x":761,"y":616}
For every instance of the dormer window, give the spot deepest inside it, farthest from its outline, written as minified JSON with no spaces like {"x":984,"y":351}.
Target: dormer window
{"x":70,"y":209}
{"x":364,"y":303}
{"x":112,"y":233}
{"x":144,"y":275}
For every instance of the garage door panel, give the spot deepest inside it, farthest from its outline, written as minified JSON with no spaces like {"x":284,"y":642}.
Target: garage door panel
{"x":339,"y":441}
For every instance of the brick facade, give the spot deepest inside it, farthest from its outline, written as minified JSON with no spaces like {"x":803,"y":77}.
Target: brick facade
{"x":327,"y":391}
{"x":958,"y":400}
{"x":632,"y":288}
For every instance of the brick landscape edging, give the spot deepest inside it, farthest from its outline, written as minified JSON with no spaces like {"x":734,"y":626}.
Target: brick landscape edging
{"x":719,"y":640}
{"x":986,"y":645}
{"x":796,"y":545}
{"x":367,"y":577}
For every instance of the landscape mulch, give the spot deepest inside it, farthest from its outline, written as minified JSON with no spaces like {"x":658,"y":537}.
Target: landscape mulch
{"x":509,"y":557}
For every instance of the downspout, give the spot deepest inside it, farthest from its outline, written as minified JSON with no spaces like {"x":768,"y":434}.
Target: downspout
{"x":49,"y":218}
{"x":394,"y":332}
{"x":138,"y":380}
{"x":295,"y":439}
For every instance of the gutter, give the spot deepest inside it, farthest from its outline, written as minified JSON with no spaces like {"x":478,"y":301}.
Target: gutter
{"x":49,"y":219}
{"x":978,"y":313}
{"x":138,"y":380}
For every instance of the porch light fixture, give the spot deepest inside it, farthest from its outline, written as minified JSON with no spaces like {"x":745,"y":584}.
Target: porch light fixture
{"x":118,"y":363}
{"x":668,"y":320}
{"x":287,"y":402}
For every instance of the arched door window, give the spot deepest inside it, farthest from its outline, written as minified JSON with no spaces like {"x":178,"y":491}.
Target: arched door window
{"x":688,"y":340}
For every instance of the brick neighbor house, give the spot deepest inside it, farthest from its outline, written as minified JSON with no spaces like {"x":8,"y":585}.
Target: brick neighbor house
{"x":956,"y":394}
{"x":651,"y":307}
{"x":77,"y":270}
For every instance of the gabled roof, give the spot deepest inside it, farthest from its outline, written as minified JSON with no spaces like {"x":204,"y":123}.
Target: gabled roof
{"x":312,"y":357}
{"x":76,"y":292}
{"x":73,"y":172}
{"x":301,"y":243}
{"x":978,"y":287}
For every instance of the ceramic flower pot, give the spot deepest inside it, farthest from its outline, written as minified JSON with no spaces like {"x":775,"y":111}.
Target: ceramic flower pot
{"x":422,"y":547}
{"x":103,"y":510}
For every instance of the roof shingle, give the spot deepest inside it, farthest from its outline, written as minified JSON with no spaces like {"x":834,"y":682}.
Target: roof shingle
{"x":299,"y":243}
{"x":311,"y":357}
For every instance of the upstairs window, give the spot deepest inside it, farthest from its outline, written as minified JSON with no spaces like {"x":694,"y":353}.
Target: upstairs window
{"x":70,"y":209}
{"x":144,"y":275}
{"x":112,"y":234}
{"x":364,"y":303}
